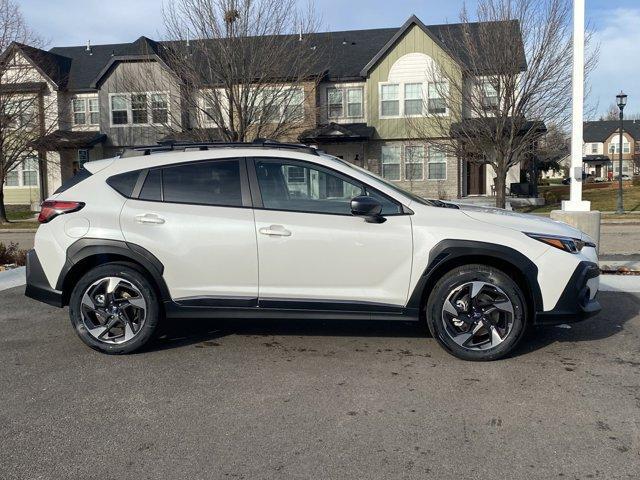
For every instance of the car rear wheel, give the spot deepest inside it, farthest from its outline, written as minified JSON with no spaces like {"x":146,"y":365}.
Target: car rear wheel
{"x":114,"y":308}
{"x":477,"y":312}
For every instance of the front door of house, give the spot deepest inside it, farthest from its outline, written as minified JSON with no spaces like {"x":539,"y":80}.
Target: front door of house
{"x":476,"y":178}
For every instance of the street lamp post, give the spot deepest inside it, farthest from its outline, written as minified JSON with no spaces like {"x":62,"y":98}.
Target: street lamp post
{"x":622,"y":102}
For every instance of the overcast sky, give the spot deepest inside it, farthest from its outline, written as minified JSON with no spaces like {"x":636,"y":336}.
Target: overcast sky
{"x":617,"y":23}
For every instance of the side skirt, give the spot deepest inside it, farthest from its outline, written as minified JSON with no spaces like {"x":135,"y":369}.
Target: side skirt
{"x":286,"y":309}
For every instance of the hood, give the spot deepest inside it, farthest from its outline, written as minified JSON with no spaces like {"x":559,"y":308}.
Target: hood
{"x":521,"y":222}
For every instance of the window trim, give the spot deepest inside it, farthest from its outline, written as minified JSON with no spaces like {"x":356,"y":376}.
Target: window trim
{"x":445,"y":161}
{"x":87,"y":111}
{"x":382,"y":163}
{"x":401,"y":99}
{"x":256,"y":195}
{"x":344,"y":92}
{"x":422,"y":162}
{"x":129,"y":109}
{"x":281,"y":107}
{"x":244,"y":182}
{"x":20,"y":170}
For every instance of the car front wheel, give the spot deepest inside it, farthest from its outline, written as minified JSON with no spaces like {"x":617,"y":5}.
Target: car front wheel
{"x":477,"y":312}
{"x":114,"y":308}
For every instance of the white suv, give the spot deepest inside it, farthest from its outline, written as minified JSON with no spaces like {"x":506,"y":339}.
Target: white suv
{"x":276,"y":230}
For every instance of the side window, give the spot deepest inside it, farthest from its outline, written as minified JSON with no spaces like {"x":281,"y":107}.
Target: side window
{"x":204,"y":183}
{"x":124,"y":182}
{"x":152,"y":187}
{"x":297,"y":186}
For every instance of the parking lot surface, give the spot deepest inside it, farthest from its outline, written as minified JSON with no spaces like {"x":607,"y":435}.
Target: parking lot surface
{"x":331,"y":400}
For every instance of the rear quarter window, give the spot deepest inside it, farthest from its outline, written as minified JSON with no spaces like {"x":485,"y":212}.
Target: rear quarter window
{"x":81,"y":175}
{"x":124,"y":183}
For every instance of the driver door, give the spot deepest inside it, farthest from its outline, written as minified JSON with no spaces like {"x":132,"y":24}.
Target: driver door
{"x":312,"y":250}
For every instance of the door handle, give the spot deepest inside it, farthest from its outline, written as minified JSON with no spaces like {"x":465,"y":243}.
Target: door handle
{"x":275,"y":231}
{"x":149,"y":218}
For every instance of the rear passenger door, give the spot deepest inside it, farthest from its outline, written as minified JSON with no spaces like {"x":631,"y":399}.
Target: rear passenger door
{"x":196,"y":218}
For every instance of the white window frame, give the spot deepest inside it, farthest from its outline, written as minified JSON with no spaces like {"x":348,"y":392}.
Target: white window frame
{"x":430,"y":161}
{"x":401,"y":98}
{"x":20,"y":170}
{"x":281,"y":107}
{"x":204,"y":99}
{"x":129,"y":110}
{"x":345,"y":91}
{"x":420,"y":98}
{"x":421,"y":162}
{"x":347,"y":103}
{"x":398,"y":149}
{"x":87,"y":110}
{"x":342,"y":100}
{"x":483,"y":91}
{"x":594,"y":148}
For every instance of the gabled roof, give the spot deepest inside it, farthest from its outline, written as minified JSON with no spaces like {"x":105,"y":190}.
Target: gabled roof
{"x":342,"y":55}
{"x":600,"y":131}
{"x":50,"y":65}
{"x":445,"y":36}
{"x":338,"y":132}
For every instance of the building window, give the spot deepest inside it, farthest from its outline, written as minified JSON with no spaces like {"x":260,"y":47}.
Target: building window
{"x":354,"y":102}
{"x":414,"y":163}
{"x":24,"y":174}
{"x":159,"y":108}
{"x":94,"y":111}
{"x":119,"y":110}
{"x":334,"y":102}
{"x":614,"y":147}
{"x":391,"y":162}
{"x":79,"y":106}
{"x":390,"y":100}
{"x":437,"y":164}
{"x":293,"y":108}
{"x":489,"y":100}
{"x":140,"y":109}
{"x":413,"y":99}
{"x":83,"y":156}
{"x":86,"y":111}
{"x":437,"y":103}
{"x":594,"y":148}
{"x":20,"y":113}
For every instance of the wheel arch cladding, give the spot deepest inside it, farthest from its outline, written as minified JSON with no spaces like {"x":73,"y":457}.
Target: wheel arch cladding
{"x":449,"y":254}
{"x":88,"y":253}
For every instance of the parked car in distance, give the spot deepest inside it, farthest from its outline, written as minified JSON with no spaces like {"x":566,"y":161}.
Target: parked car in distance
{"x":625,"y":177}
{"x":274,"y":230}
{"x":600,"y":180}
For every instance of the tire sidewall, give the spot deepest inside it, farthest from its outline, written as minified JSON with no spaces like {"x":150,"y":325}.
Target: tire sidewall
{"x":463,"y":275}
{"x":137,"y":278}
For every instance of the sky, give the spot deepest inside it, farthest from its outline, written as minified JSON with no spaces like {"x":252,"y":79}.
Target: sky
{"x":616,"y":24}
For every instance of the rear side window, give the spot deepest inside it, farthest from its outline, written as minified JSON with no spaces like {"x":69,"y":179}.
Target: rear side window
{"x":81,"y":175}
{"x":124,"y":182}
{"x":152,"y":188}
{"x":204,"y":183}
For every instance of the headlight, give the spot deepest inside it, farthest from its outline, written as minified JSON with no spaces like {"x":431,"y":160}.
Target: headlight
{"x":568,"y":244}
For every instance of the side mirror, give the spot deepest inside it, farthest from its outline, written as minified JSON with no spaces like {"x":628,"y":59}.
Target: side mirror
{"x":367,"y":207}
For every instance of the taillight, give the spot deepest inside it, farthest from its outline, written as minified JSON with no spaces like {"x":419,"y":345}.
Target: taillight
{"x":52,"y":208}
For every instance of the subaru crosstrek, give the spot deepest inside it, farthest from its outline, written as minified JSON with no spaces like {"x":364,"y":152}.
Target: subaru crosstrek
{"x":283,"y":231}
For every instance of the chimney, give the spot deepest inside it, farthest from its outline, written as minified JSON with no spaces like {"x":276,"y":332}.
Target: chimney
{"x":300,"y":32}
{"x":88,"y":49}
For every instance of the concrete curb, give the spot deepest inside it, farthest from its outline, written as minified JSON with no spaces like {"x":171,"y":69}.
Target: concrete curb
{"x":620,"y":283}
{"x":13,"y":278}
{"x":18,"y":230}
{"x":633,"y":265}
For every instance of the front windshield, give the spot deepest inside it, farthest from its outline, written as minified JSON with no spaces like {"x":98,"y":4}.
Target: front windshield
{"x":392,"y":186}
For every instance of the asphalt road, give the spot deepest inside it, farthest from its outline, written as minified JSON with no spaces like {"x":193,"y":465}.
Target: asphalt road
{"x":304,"y":400}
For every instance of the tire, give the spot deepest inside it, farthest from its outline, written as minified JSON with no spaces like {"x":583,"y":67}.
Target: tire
{"x":477,"y":313}
{"x":114,"y":308}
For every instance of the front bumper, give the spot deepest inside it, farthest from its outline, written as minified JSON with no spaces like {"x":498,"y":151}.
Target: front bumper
{"x":38,"y":286}
{"x":577,"y":301}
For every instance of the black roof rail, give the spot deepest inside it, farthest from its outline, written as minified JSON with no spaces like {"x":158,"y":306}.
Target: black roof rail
{"x":184,"y":146}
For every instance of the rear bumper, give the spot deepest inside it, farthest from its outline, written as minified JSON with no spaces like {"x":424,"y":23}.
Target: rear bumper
{"x":576,"y":302}
{"x":38,"y":286}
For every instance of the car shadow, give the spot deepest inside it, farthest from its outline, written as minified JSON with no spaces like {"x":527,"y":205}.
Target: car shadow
{"x":618,"y":308}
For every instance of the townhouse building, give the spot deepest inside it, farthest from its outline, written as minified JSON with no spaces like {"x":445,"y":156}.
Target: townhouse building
{"x":375,"y":79}
{"x":601,"y":150}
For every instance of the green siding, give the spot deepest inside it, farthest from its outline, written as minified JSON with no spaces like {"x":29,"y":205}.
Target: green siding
{"x":414,"y":40}
{"x":21,"y":195}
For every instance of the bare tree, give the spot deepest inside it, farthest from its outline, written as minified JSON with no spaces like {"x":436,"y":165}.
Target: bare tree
{"x":24,"y":110}
{"x":246,"y":69}
{"x":511,"y":74}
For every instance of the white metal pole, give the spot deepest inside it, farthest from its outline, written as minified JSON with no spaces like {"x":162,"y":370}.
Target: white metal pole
{"x":575,"y":203}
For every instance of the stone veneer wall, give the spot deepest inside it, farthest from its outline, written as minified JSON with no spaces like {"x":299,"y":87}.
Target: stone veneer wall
{"x":442,"y":189}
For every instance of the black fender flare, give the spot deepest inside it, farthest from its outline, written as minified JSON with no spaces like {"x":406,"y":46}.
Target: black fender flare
{"x":95,"y":247}
{"x":447,"y":251}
